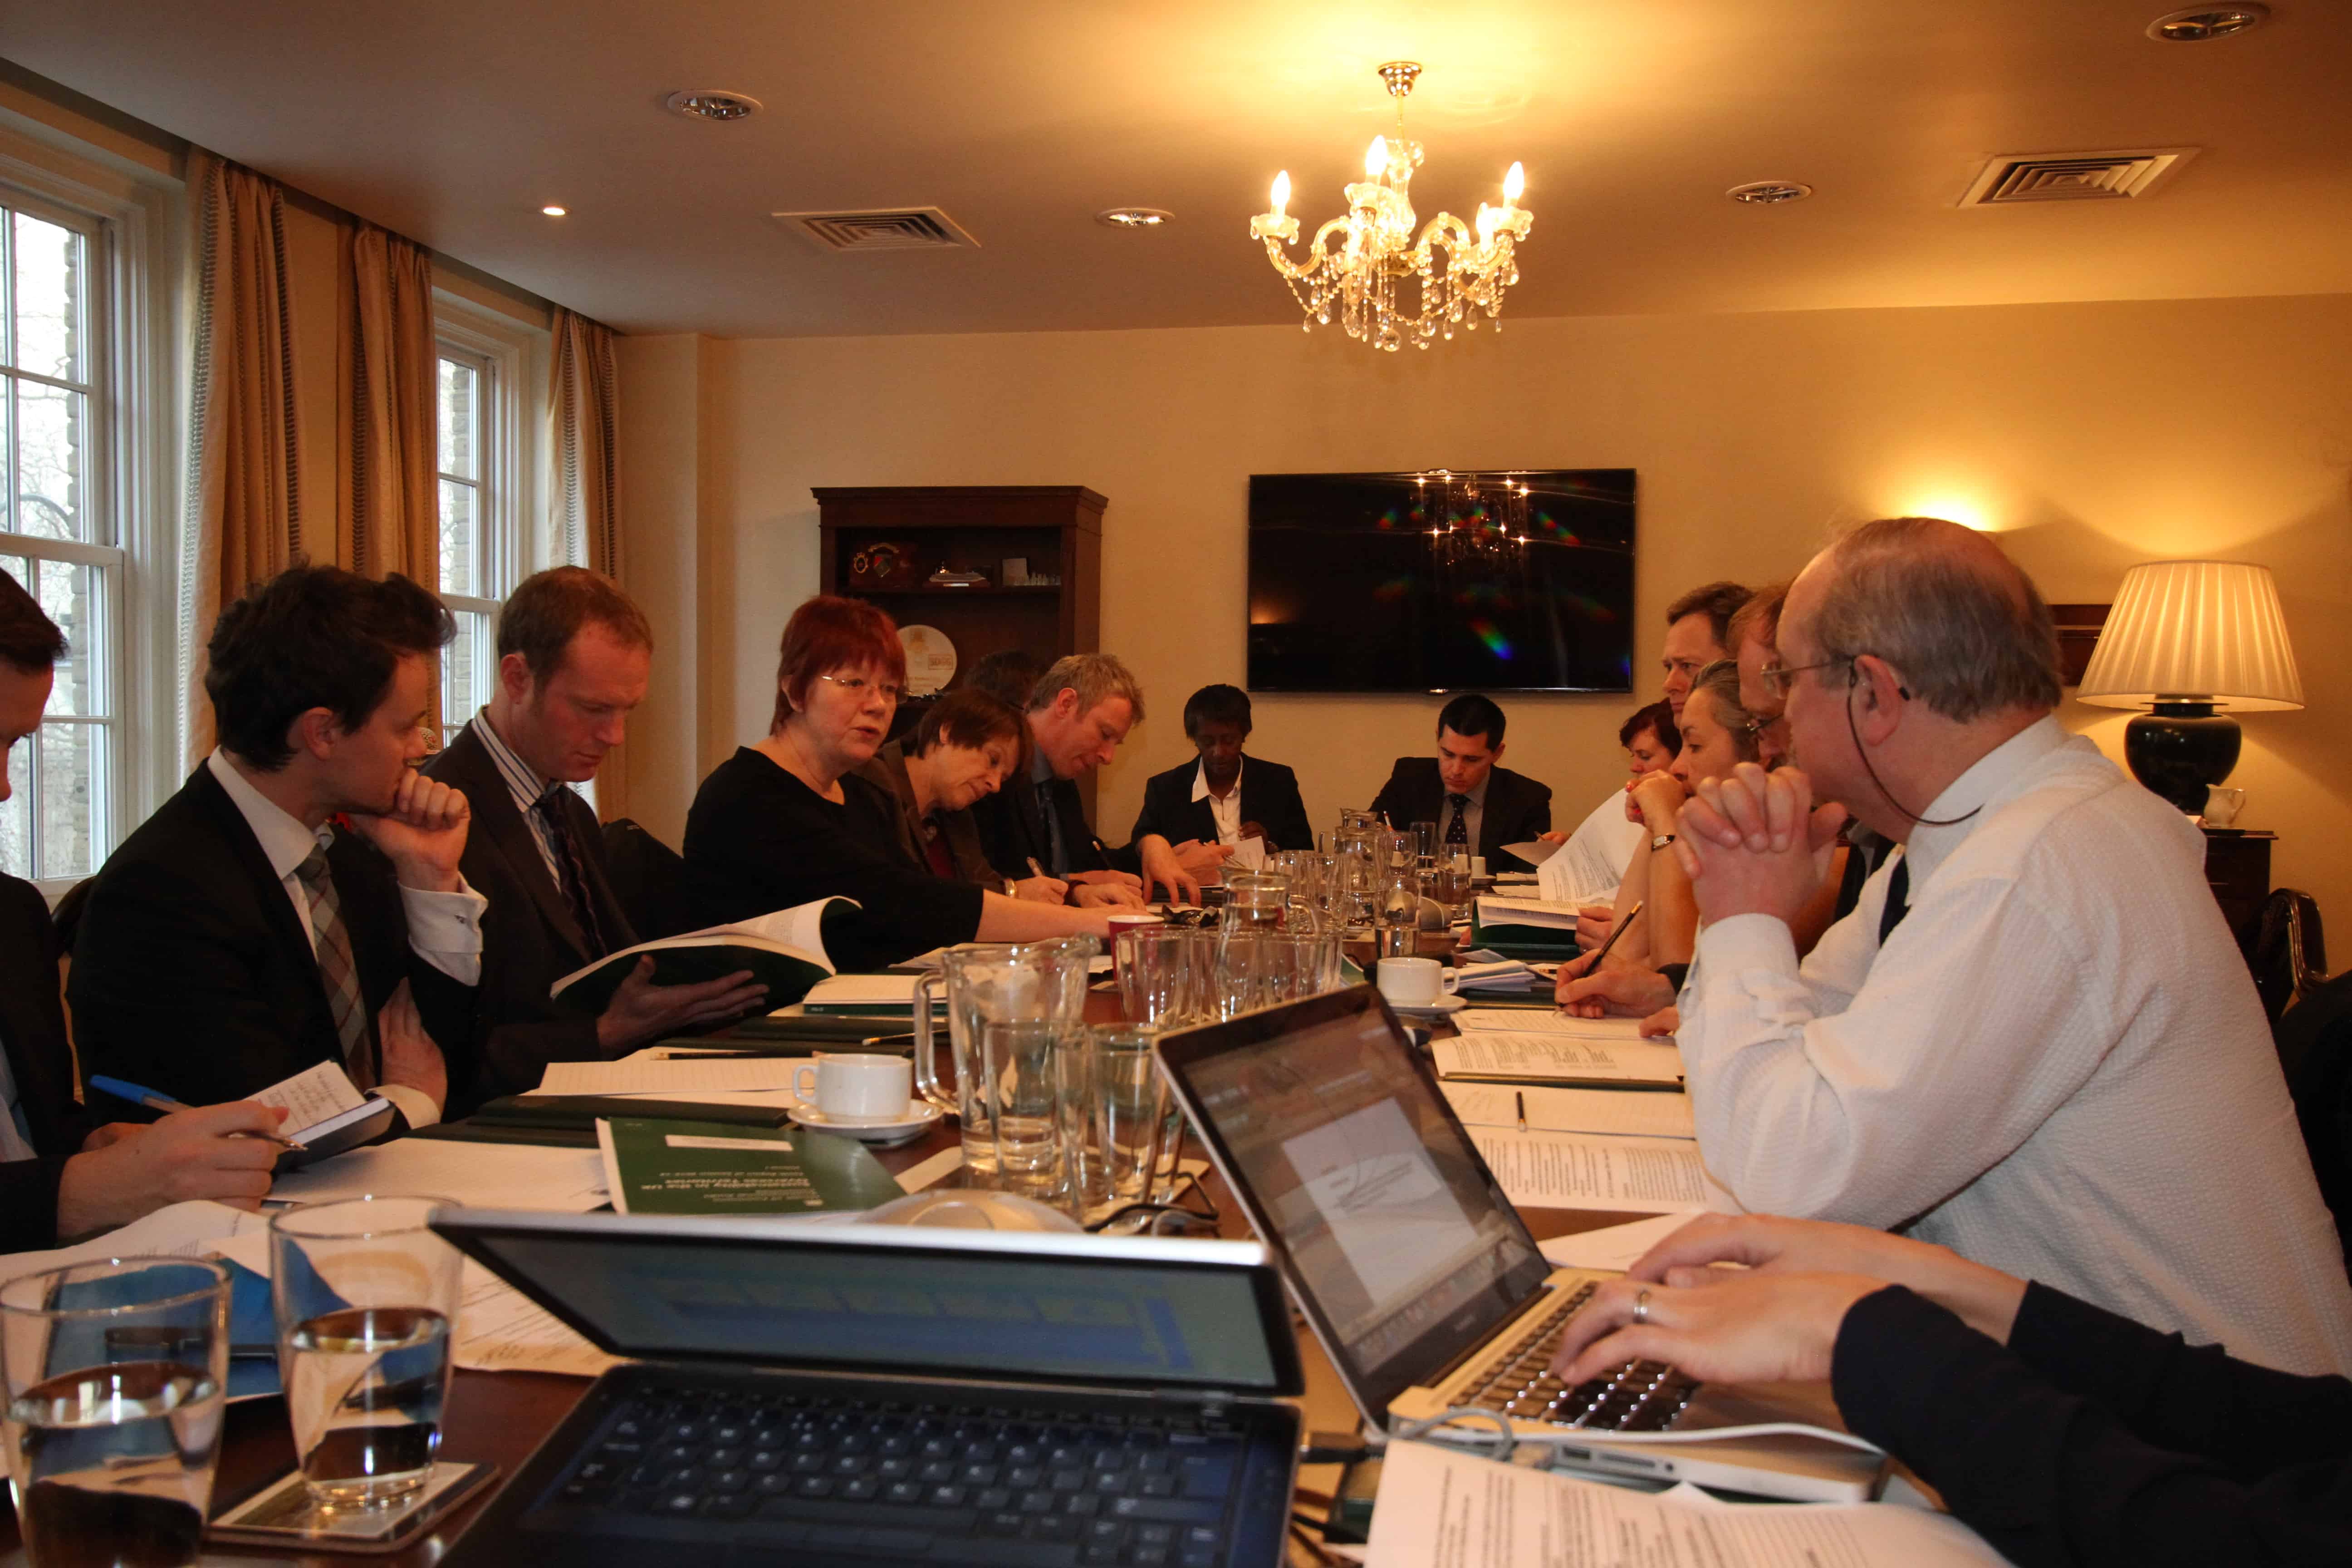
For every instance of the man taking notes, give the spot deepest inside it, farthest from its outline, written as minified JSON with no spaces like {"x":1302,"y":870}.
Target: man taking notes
{"x":2033,"y":1041}
{"x":298,"y":900}
{"x":1479,"y":804}
{"x":61,"y":1175}
{"x":574,"y":656}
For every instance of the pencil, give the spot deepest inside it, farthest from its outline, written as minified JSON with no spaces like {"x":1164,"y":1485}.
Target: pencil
{"x":1521,"y":1096}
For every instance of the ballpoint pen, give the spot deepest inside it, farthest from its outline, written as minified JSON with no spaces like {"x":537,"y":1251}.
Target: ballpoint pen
{"x":155,"y":1099}
{"x":1521,"y":1096}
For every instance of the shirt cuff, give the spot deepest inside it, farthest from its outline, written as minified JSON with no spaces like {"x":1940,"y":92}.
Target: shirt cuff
{"x":1747,"y":942}
{"x":412,"y":1103}
{"x":445,"y":929}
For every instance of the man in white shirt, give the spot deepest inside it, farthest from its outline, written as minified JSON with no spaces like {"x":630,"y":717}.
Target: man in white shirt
{"x":2034,"y":1041}
{"x":298,"y":900}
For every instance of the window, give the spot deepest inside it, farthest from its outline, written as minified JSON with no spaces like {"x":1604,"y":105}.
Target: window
{"x":59,"y":533}
{"x":490,"y":488}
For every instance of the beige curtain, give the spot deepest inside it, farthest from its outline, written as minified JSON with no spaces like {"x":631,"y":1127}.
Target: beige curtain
{"x":394,"y":494}
{"x":583,"y":518}
{"x":244,"y":518}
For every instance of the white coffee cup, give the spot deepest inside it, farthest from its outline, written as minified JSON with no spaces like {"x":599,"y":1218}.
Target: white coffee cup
{"x":848,"y":1084}
{"x":1478,"y":867}
{"x":1416,"y":982}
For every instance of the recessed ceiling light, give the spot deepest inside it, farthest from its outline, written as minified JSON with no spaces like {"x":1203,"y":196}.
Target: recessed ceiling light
{"x":1134,"y":217}
{"x":711,"y":103}
{"x":1770,"y":192}
{"x":2203,"y":24}
{"x":553,"y":211}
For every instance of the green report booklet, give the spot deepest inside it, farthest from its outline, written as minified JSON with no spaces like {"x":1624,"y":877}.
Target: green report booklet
{"x":785,"y":950}
{"x":719,"y":1168}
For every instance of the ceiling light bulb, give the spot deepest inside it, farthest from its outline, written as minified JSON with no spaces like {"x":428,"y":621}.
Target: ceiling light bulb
{"x":1281,"y":193}
{"x":1513,"y":183}
{"x":1376,"y":157}
{"x":553,"y":211}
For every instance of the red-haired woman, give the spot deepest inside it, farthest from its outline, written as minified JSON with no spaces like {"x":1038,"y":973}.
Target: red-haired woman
{"x":788,"y":821}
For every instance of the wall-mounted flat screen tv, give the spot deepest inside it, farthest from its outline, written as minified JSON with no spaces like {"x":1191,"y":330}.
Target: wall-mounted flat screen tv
{"x":1443,"y":581}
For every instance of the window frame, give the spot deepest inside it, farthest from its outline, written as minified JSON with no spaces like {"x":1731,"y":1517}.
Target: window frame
{"x":132,"y":221}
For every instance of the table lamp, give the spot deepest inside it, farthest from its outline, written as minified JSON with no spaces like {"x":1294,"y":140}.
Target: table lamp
{"x":2184,"y":638}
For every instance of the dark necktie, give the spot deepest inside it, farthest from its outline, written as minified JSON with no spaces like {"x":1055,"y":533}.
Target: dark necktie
{"x":1050,"y":820}
{"x":572,"y":876}
{"x":1898,"y":899}
{"x":332,"y":944}
{"x":1457,"y":828}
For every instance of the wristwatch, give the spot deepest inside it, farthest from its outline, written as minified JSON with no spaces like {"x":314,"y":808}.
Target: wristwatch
{"x":1661,"y":841}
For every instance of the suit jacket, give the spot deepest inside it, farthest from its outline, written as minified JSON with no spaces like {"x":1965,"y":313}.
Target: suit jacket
{"x":1269,"y":798}
{"x":193,"y":976}
{"x":887,"y":768}
{"x":1518,"y":808}
{"x":33,"y":1028}
{"x":1011,"y":830}
{"x":530,"y":939}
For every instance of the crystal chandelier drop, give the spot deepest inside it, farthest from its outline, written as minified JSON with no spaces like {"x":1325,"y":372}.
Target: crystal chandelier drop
{"x":1475,"y":519}
{"x":1354,"y":265}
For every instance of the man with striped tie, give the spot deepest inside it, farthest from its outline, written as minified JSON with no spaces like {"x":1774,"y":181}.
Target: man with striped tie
{"x":574,"y":658}
{"x":299,"y":900}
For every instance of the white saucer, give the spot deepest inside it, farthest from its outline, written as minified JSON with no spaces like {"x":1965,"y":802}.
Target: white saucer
{"x":1437,"y":1009}
{"x":869,"y":1129}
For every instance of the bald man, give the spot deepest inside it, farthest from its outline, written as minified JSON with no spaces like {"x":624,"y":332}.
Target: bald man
{"x":2033,"y":1041}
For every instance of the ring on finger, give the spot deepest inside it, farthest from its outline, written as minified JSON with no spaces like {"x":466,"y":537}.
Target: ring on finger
{"x":1641,"y":1306}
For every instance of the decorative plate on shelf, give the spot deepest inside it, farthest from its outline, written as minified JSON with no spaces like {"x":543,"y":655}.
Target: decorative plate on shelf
{"x":931,"y":659}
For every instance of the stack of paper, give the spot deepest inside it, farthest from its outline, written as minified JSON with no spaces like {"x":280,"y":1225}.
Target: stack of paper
{"x":1614,"y":1110}
{"x":1503,"y":975}
{"x":1549,"y":914}
{"x":1574,"y":1171}
{"x":1555,"y":1058}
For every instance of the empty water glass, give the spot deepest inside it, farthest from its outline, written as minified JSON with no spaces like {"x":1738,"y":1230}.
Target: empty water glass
{"x":1129,"y":1104}
{"x":1155,"y":974}
{"x":1021,"y":1082}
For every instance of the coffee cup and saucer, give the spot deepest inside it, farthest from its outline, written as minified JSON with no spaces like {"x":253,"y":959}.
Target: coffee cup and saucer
{"x":1420,"y":987}
{"x":870,"y":1097}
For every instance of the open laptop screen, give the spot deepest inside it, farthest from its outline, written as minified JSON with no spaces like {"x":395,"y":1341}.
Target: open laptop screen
{"x":1401,"y":1247}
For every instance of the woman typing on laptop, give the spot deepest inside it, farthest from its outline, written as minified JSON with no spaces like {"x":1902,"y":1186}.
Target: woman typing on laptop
{"x":2061,"y":1433}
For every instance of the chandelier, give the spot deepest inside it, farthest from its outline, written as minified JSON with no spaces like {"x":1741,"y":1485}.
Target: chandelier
{"x":1475,"y":519}
{"x":1354,"y":265}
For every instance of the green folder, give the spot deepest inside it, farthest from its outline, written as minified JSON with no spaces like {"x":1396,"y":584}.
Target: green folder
{"x":662,"y":1166}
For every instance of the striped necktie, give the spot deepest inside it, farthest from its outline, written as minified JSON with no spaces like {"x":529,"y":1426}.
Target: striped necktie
{"x":337,"y":972}
{"x":574,"y":878}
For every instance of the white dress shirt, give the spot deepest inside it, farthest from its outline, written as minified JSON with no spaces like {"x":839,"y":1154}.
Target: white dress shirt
{"x":2057,"y":1067}
{"x":444,"y":929}
{"x":1227,"y":811}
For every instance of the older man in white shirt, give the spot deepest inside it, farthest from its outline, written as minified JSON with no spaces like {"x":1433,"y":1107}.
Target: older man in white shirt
{"x":2034,"y":1041}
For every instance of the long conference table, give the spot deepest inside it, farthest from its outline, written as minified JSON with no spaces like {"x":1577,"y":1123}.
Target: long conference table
{"x":498,"y":1418}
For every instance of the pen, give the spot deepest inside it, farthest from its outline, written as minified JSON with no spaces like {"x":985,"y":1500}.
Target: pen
{"x":1521,"y":1096}
{"x":155,"y":1099}
{"x":1034,"y":869}
{"x":1622,"y":926}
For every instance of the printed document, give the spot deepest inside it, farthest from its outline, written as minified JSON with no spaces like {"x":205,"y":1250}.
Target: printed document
{"x":1614,"y":1247}
{"x":1528,"y":1021}
{"x":677,"y":1076}
{"x":1640,"y":1113}
{"x":479,"y":1175}
{"x":1566,"y":1171}
{"x":1441,"y":1508}
{"x":1556,"y":1058}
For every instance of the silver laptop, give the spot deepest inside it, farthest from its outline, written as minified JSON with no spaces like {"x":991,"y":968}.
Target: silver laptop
{"x":1420,"y":1281}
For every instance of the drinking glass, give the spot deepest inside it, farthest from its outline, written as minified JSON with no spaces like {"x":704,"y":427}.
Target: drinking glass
{"x":1155,"y":975}
{"x":1299,"y":965}
{"x":366,"y":1300}
{"x":1245,"y":961}
{"x":993,"y":983}
{"x":1255,"y":901}
{"x":1022,"y":1082}
{"x":1424,"y":846}
{"x":1451,"y":885}
{"x":115,"y":1373}
{"x":1129,"y":1109}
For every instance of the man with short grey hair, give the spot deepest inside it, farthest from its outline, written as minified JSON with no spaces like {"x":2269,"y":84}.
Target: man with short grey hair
{"x":2035,"y":1040}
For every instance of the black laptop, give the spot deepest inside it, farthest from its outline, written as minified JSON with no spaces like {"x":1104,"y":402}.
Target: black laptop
{"x":856,"y":1395}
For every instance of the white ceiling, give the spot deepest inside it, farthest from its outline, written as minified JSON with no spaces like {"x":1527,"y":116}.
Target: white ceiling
{"x":455,"y":122}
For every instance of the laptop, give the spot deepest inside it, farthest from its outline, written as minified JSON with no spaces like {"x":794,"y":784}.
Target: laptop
{"x":840,"y":1396}
{"x":1420,"y":1281}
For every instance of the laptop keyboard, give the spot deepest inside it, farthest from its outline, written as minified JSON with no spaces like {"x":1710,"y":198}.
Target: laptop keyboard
{"x":900,"y":1480}
{"x":1640,"y":1396}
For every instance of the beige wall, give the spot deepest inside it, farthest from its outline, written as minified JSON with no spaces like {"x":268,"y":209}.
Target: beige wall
{"x":2093,"y":436}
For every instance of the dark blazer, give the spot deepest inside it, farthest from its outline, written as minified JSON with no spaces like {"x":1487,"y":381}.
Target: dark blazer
{"x":530,"y":939}
{"x":1011,"y":830}
{"x":1269,"y":798}
{"x":887,"y":768}
{"x":192,"y":974}
{"x":33,"y":1029}
{"x":1518,"y":808}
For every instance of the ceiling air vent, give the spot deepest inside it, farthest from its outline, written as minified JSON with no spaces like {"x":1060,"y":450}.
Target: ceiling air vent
{"x":2073,"y":176}
{"x":885,"y":228}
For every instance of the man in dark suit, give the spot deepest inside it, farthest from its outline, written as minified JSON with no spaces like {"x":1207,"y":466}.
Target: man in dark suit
{"x":1079,"y":711}
{"x":1224,"y":798}
{"x":574,"y":658}
{"x":62,"y":1174}
{"x":1479,"y":804}
{"x":298,"y":900}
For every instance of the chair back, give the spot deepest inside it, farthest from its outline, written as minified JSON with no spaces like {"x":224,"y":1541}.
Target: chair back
{"x":2314,"y":1045}
{"x":648,"y":878}
{"x":2290,"y":952}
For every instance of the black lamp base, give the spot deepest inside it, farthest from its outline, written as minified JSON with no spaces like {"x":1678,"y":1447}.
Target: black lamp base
{"x":2179,"y":749}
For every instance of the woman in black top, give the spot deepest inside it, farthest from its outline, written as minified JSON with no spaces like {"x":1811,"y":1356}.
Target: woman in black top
{"x":786,"y":821}
{"x":2060,"y":1433}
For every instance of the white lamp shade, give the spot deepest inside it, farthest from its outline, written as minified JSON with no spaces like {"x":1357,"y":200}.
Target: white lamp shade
{"x":2194,"y":631}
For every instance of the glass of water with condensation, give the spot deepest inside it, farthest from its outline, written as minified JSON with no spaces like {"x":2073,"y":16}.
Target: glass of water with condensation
{"x":366,"y":1299}
{"x":114,"y":1371}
